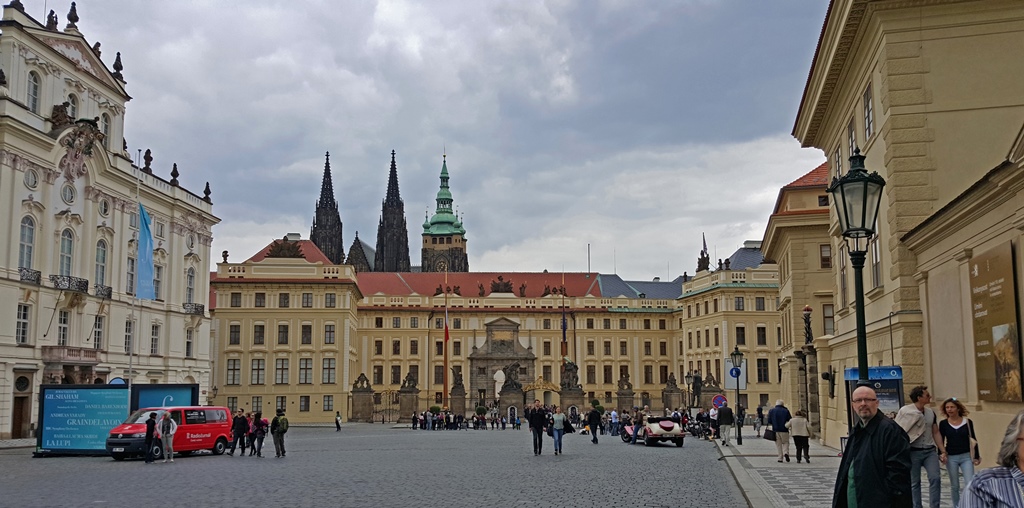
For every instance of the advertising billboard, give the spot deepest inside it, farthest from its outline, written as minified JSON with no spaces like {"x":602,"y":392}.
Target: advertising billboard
{"x":75,"y":419}
{"x":888,"y":384}
{"x":159,"y":395}
{"x":994,"y":319}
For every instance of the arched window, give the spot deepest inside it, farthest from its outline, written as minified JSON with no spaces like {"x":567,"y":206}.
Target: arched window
{"x":101,"y":262}
{"x":67,"y":246}
{"x":72,"y":106}
{"x":190,"y":285}
{"x":33,"y":92}
{"x":28,"y":241}
{"x":105,"y":129}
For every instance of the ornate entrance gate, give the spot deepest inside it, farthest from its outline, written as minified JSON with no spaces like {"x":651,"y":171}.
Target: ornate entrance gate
{"x":385,"y":406}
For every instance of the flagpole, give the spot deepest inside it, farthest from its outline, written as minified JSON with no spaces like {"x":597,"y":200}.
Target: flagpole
{"x":135,"y":290}
{"x":444,"y":393}
{"x":565,"y":344}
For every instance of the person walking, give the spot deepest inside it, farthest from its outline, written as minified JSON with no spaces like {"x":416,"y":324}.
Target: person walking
{"x":922,"y":426}
{"x":259,"y":432}
{"x":537,"y":420}
{"x":150,"y":436}
{"x":875,"y":470}
{"x":167,"y":429}
{"x":278,"y":428}
{"x":778,"y":416}
{"x":337,"y":421}
{"x":557,"y":423}
{"x":961,"y":445}
{"x":1000,"y":487}
{"x":615,"y":422}
{"x":725,"y":420}
{"x":239,"y":429}
{"x":638,"y":422}
{"x":801,"y":436}
{"x":594,"y":421}
{"x":759,"y":420}
{"x":250,"y":438}
{"x":713,"y":415}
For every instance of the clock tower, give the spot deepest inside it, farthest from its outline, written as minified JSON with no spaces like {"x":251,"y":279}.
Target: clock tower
{"x":444,"y":238}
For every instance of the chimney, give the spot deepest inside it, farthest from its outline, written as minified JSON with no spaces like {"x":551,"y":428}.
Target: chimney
{"x":293,"y":237}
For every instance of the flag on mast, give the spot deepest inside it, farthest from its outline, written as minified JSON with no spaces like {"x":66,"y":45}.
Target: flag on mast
{"x":446,"y":337}
{"x":144,"y":282}
{"x":564,"y":326}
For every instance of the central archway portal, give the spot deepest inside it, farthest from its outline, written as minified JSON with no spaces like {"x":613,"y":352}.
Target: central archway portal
{"x":502,"y":347}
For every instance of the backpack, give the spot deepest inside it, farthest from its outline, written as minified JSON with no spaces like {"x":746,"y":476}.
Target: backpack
{"x":282,"y":425}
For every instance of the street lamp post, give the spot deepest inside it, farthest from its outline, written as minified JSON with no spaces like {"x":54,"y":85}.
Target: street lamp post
{"x":737,"y":361}
{"x":858,"y":196}
{"x":689,"y":390}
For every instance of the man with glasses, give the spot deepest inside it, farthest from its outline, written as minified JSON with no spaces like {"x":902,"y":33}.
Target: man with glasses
{"x":875,"y":470}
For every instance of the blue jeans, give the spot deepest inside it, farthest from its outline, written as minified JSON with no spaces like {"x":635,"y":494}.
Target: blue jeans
{"x":959,"y":465}
{"x":614,"y":428}
{"x":929,"y":459}
{"x":636,"y":432}
{"x":557,"y":434}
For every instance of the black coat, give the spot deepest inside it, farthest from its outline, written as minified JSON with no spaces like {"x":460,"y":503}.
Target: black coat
{"x":240,"y":425}
{"x":725,"y":416}
{"x":594,"y":419}
{"x":880,"y":453}
{"x":538,"y":418}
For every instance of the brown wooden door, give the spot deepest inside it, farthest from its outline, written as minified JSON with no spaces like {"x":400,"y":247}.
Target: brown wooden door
{"x":20,"y":417}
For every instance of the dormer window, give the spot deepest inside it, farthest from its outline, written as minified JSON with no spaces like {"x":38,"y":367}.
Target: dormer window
{"x":32,"y":100}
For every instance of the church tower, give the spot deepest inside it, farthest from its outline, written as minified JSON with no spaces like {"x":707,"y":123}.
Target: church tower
{"x":392,"y":235}
{"x":326,"y":230}
{"x":444,"y":238}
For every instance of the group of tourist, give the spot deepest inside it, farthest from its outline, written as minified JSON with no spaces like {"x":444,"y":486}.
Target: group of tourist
{"x":250,"y":429}
{"x":883,"y":459}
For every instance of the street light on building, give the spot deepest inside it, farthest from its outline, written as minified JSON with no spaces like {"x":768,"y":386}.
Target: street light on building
{"x":737,"y":362}
{"x":857,"y":196}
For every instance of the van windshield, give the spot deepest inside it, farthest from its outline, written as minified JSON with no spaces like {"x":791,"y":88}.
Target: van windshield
{"x":141,"y":415}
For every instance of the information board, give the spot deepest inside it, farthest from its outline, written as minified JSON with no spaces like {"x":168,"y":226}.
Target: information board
{"x":888,"y":384}
{"x":76,"y":419}
{"x":995,"y":322}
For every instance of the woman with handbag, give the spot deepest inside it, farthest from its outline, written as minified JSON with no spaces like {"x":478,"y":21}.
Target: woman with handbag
{"x":961,"y":445}
{"x":556,"y":424}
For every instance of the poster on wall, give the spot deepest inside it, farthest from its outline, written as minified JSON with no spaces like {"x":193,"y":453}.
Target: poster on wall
{"x":160,"y":395}
{"x":76,"y":419}
{"x":995,"y":322}
{"x":888,"y":384}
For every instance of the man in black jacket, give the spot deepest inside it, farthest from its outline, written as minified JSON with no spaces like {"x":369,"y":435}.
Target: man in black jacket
{"x":239,"y":428}
{"x":875,"y":470}
{"x":537,"y":417}
{"x":150,"y":437}
{"x":594,"y":421}
{"x":725,"y":421}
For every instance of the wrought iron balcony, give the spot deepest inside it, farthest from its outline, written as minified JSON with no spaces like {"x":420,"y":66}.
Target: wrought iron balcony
{"x":31,"y":276}
{"x":196,"y":309}
{"x":71,"y":355}
{"x":103,"y":291}
{"x":69,"y":283}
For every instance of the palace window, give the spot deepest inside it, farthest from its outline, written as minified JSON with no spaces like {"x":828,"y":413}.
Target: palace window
{"x":414,"y":322}
{"x":258,"y":333}
{"x":27,"y":242}
{"x":741,"y":335}
{"x":328,"y":334}
{"x":305,"y":371}
{"x":261,"y":300}
{"x":738,"y":303}
{"x":414,"y":347}
{"x":98,"y":324}
{"x":330,"y":300}
{"x":281,"y":371}
{"x":63,"y":327}
{"x":828,"y":315}
{"x":67,"y":248}
{"x":303,"y":403}
{"x":307,"y":300}
{"x":759,"y":303}
{"x":307,"y":334}
{"x":282,"y":334}
{"x":762,"y":336}
{"x":869,"y":114}
{"x":101,"y":262}
{"x":234,"y":366}
{"x":825,"y":256}
{"x":283,"y":300}
{"x":234,"y":334}
{"x":236,"y":299}
{"x":328,"y":402}
{"x":590,"y":348}
{"x":259,"y":371}
{"x":33,"y":93}
{"x":762,"y":370}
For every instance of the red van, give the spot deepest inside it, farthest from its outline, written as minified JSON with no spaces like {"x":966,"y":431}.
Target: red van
{"x":199,"y":428}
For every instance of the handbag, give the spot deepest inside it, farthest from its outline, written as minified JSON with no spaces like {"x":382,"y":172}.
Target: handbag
{"x":569,"y":429}
{"x":974,"y":442}
{"x":769,"y":433}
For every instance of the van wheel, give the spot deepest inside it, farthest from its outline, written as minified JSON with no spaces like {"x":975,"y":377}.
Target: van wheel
{"x":219,"y":447}
{"x":119,"y":456}
{"x":158,"y":450}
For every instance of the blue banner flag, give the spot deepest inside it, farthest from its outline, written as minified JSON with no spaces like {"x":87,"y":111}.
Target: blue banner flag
{"x":144,"y":282}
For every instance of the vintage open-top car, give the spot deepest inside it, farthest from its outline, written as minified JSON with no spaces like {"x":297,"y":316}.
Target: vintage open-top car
{"x":656,"y":429}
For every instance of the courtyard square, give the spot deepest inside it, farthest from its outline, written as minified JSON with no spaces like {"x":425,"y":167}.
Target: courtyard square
{"x":379,"y":465}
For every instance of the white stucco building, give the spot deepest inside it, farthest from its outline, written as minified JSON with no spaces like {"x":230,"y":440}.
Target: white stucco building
{"x":68,"y":216}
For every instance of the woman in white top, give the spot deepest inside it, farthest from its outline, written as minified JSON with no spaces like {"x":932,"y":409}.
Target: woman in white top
{"x":167,"y":429}
{"x":798,"y":429}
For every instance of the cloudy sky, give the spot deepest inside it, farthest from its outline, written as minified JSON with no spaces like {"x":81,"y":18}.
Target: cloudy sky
{"x":629,"y":126}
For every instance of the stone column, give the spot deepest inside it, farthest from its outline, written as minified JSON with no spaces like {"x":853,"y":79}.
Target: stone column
{"x":813,"y":408}
{"x":624,"y":400}
{"x":671,"y":398}
{"x":800,"y":379}
{"x":573,"y":397}
{"x":408,"y":403}
{"x":509,"y":397}
{"x":457,"y":400}
{"x":362,"y":404}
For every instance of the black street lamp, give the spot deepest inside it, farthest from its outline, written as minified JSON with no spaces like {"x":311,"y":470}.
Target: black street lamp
{"x":858,"y":196}
{"x":808,"y":337}
{"x":737,"y":361}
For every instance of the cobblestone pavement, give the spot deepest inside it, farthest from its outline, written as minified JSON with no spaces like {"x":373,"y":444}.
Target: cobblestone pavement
{"x":376,"y":465}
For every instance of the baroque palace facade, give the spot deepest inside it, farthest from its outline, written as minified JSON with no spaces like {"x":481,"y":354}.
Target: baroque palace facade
{"x":68,"y":195}
{"x":294,"y":331}
{"x":930,"y":93}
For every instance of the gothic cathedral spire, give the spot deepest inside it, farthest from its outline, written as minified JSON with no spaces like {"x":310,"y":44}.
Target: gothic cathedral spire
{"x":326,"y":230}
{"x":392,"y":235}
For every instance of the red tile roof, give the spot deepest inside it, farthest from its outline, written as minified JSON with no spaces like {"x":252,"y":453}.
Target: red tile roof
{"x":309,"y":250}
{"x":426,"y":284}
{"x":817,"y":177}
